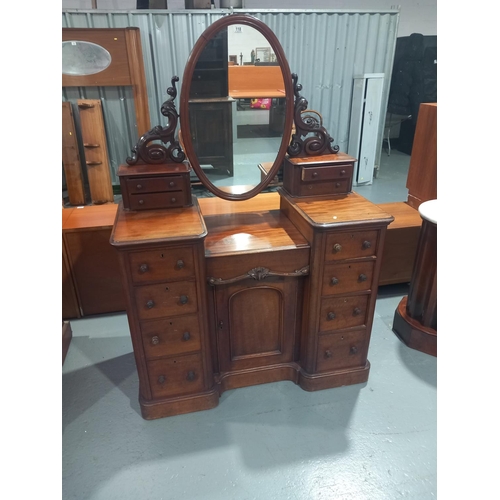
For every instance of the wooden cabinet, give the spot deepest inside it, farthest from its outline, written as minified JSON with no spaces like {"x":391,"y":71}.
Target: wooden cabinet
{"x":422,"y":172}
{"x":318,"y":176}
{"x":213,"y":144}
{"x":346,"y":252}
{"x":164,"y":185}
{"x":223,"y":295}
{"x":91,"y":269}
{"x":163,"y":267}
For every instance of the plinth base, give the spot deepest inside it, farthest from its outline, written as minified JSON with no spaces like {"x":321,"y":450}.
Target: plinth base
{"x":412,"y":333}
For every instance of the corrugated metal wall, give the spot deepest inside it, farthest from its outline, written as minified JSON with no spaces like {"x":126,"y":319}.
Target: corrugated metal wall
{"x":325,"y":48}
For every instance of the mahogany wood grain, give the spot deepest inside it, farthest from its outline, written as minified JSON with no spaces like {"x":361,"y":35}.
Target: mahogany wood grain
{"x":96,"y":155}
{"x":164,"y":225}
{"x":71,"y":157}
{"x":422,"y":173}
{"x":70,"y":305}
{"x":321,"y":160}
{"x":401,"y":243}
{"x":96,"y":271}
{"x":218,"y":206}
{"x":339,"y":210}
{"x":415,"y":319}
{"x":89,"y":217}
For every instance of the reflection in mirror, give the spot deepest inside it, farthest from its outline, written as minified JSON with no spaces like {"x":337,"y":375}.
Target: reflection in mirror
{"x":83,"y":58}
{"x":237,"y":108}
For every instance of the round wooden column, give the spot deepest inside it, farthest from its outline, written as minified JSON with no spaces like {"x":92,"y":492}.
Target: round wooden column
{"x":415,"y":319}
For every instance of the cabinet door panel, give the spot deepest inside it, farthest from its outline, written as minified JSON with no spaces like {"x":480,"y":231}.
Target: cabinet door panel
{"x":256,"y":323}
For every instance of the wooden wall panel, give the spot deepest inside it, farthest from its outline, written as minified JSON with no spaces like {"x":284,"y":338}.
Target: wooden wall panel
{"x":71,"y":157}
{"x":96,"y":151}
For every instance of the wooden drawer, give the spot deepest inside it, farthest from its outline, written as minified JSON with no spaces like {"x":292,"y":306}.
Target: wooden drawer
{"x":171,"y":336}
{"x":162,"y":264}
{"x":351,"y":245}
{"x":338,"y":186}
{"x":347,"y":278}
{"x":328,"y":172}
{"x":342,"y":350}
{"x":155,"y":184}
{"x":175,"y":376}
{"x":166,"y":299}
{"x":148,"y":201}
{"x":343,"y":312}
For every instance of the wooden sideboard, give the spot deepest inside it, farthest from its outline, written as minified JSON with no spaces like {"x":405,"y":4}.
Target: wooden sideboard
{"x":223,"y":295}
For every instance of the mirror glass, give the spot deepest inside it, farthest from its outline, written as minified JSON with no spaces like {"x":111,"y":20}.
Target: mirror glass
{"x":237,"y":107}
{"x":84,"y":58}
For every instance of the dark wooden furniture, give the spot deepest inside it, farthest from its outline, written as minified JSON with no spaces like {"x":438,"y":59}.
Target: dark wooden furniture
{"x":223,"y":295}
{"x":213,"y":144}
{"x":210,"y":77}
{"x":422,"y":172}
{"x":415,"y":319}
{"x":91,"y":271}
{"x":401,"y":241}
{"x":318,"y":175}
{"x":145,"y":186}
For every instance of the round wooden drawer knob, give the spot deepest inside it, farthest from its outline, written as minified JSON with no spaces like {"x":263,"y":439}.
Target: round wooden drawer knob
{"x":337,"y":248}
{"x":155,"y":340}
{"x":191,"y":375}
{"x":173,"y":200}
{"x":150,"y":304}
{"x":179,"y":264}
{"x":356,"y":312}
{"x":183,"y":299}
{"x":186,"y":336}
{"x":366,"y":244}
{"x":161,"y":379}
{"x":342,"y":172}
{"x":330,"y":316}
{"x":141,"y":202}
{"x":328,"y":354}
{"x":334,"y":281}
{"x":315,"y":174}
{"x":143,"y":268}
{"x":139,"y":186}
{"x":362,"y":277}
{"x":353,"y":350}
{"x":172,"y":184}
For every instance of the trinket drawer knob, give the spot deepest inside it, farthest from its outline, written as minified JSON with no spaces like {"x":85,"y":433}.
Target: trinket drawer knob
{"x":353,"y":350}
{"x":161,"y":379}
{"x":334,"y":281}
{"x":139,"y":186}
{"x":179,"y":264}
{"x":330,"y":316}
{"x":183,"y":299}
{"x":150,"y":304}
{"x":328,"y":354}
{"x":337,"y":248}
{"x":356,"y":311}
{"x":155,"y":340}
{"x":191,"y":375}
{"x":362,"y":277}
{"x":366,"y":244}
{"x":144,"y":268}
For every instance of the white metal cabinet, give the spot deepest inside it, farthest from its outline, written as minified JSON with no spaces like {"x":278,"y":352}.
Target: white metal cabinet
{"x":365,"y":124}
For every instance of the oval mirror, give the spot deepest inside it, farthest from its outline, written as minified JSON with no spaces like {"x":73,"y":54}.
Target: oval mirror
{"x":83,"y":58}
{"x":236,"y":107}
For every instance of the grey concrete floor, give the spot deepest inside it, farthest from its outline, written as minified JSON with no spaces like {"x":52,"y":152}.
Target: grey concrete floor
{"x":369,"y":441}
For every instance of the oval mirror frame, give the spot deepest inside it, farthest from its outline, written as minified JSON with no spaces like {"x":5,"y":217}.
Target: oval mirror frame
{"x":205,"y":37}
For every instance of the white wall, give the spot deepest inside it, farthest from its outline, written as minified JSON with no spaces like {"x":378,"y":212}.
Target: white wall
{"x":244,"y":41}
{"x":416,"y":16}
